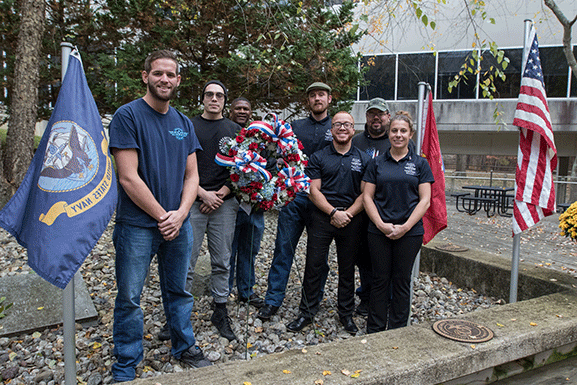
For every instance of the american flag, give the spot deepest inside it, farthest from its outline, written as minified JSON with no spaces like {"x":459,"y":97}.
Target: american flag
{"x":537,"y":156}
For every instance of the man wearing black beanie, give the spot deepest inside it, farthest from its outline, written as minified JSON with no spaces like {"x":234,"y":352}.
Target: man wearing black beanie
{"x":214,"y":211}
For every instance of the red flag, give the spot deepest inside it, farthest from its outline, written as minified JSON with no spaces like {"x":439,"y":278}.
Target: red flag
{"x":435,"y":218}
{"x":537,"y":156}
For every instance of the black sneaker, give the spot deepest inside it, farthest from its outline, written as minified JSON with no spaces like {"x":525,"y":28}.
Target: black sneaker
{"x":164,"y":333}
{"x":193,"y":358}
{"x":267,"y":311}
{"x":253,"y":300}
{"x":221,"y":320}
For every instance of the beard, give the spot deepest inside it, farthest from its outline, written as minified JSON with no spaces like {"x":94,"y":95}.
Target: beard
{"x":158,"y":96}
{"x":377,"y":131}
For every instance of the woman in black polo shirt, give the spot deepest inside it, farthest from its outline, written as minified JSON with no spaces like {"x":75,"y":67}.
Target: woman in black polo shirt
{"x":396,"y":196}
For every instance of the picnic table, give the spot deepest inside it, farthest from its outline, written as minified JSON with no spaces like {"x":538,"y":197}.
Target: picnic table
{"x":493,"y":199}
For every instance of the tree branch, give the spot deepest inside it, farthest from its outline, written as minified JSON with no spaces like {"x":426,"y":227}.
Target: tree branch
{"x":567,"y":26}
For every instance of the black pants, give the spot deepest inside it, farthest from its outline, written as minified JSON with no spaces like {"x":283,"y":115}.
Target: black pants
{"x":320,"y":235}
{"x":392,"y":262}
{"x":363,"y":262}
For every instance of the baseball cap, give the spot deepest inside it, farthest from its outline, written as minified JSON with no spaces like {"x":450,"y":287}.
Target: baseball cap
{"x":379,"y":104}
{"x":318,"y":86}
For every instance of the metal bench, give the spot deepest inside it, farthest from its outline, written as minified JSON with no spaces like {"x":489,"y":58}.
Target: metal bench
{"x":561,"y":207}
{"x":471,"y":205}
{"x":457,"y":196}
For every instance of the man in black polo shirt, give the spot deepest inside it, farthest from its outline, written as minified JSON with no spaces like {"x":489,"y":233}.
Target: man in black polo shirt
{"x":336,"y":182}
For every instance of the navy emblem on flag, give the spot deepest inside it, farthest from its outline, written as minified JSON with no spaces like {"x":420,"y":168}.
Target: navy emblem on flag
{"x":68,"y":195}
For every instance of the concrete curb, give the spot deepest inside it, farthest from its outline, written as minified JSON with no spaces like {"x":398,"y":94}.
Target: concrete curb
{"x":416,"y":354}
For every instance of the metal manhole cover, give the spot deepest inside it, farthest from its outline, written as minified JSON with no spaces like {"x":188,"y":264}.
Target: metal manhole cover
{"x":450,"y":247}
{"x":462,"y":331}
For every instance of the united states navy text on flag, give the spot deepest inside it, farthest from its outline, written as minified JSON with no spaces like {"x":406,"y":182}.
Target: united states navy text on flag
{"x":69,"y":192}
{"x":537,"y":156}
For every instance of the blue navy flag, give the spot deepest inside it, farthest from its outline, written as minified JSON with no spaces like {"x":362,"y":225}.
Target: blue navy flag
{"x":69,"y":192}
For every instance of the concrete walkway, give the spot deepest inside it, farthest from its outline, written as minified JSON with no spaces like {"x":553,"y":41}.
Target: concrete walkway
{"x":542,"y":245}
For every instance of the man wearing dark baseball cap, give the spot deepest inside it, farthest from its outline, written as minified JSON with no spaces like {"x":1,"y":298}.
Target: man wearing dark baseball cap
{"x":314,"y":132}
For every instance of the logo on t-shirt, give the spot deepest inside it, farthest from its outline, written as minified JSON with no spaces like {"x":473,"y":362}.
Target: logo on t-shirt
{"x":356,"y":164}
{"x":222,"y":144}
{"x":410,"y":169}
{"x":178,"y":133}
{"x":328,"y":135}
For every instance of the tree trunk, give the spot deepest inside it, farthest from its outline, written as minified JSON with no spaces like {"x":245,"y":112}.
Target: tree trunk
{"x":18,"y":150}
{"x":567,"y":26}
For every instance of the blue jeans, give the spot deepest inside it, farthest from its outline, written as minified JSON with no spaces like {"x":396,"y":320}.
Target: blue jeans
{"x":291,"y":222}
{"x":245,"y":246}
{"x":135,"y":247}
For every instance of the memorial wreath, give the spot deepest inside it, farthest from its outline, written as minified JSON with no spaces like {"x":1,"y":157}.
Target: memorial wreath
{"x":266,"y":164}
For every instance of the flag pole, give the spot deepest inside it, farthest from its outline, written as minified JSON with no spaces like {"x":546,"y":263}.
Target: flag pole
{"x":418,"y":139}
{"x":517,"y":237}
{"x":69,"y":319}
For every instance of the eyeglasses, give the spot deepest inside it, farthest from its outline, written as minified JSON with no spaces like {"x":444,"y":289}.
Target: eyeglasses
{"x":380,"y":113}
{"x":210,"y":95}
{"x":347,"y":125}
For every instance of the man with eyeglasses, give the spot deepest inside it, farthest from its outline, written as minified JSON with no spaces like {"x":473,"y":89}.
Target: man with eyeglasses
{"x":314,"y":133}
{"x":214,"y":211}
{"x":336,"y":174}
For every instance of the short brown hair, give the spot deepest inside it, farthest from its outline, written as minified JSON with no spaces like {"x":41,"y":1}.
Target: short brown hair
{"x":160,"y":54}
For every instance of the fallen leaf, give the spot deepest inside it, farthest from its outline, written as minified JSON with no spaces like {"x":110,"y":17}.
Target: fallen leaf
{"x":248,"y":345}
{"x":513,"y":319}
{"x":532,"y":324}
{"x":473,"y":346}
{"x":363,"y":341}
{"x":355,"y":375}
{"x":96,"y":345}
{"x":147,"y":369}
{"x":319,"y":382}
{"x":40,"y":308}
{"x":12,"y":356}
{"x":36,"y":334}
{"x":326,"y":373}
{"x":500,"y":325}
{"x":258,"y":329}
{"x":346,"y":372}
{"x":358,"y":371}
{"x":395,"y":347}
{"x":246,"y":383}
{"x":286,"y":371}
{"x":559,"y":316}
{"x":304,"y":350}
{"x":318,"y":353}
{"x":148,"y":337}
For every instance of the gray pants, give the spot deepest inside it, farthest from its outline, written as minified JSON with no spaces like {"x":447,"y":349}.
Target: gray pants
{"x":219,"y":228}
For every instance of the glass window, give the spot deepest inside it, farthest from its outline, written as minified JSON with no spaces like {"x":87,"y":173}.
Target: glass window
{"x":510,"y":87}
{"x":414,"y":68}
{"x":380,"y":77}
{"x":555,"y":73}
{"x":449,"y":66}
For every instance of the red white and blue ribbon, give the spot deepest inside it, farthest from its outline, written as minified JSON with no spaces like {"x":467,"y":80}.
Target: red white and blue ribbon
{"x":280,"y":132}
{"x":246,"y":161}
{"x":295,"y":179}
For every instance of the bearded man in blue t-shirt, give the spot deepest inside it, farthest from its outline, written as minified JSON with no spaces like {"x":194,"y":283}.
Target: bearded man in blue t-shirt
{"x":154,"y":147}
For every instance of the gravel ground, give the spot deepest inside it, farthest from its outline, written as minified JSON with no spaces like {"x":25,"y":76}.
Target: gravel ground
{"x":38,"y":357}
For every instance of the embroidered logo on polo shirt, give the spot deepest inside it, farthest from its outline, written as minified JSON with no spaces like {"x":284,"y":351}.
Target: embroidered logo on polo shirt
{"x":356,"y":164}
{"x":410,"y":169}
{"x":178,"y":133}
{"x":328,"y":135}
